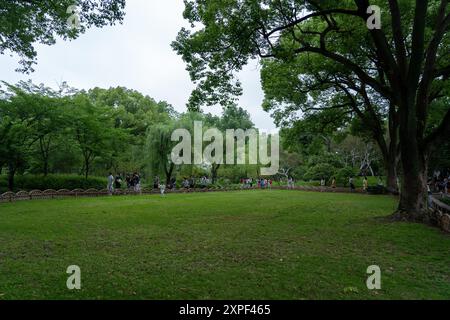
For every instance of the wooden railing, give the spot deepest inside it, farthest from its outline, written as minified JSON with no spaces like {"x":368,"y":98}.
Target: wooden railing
{"x":440,"y":212}
{"x":53,"y":194}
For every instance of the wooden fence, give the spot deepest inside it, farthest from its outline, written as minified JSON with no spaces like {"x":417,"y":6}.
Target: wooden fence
{"x":440,"y":212}
{"x":53,"y":194}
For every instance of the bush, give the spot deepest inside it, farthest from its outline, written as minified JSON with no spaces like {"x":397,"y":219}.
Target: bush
{"x":328,"y":158}
{"x":56,"y":182}
{"x":342,"y":175}
{"x":319,"y":171}
{"x":376,"y":190}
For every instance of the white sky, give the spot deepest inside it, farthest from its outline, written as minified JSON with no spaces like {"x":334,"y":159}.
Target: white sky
{"x":136,"y":55}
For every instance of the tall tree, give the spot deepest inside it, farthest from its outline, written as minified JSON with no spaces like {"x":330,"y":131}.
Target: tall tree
{"x":18,"y":123}
{"x":159,"y":149}
{"x":92,"y":127}
{"x":409,"y":60}
{"x":331,"y":100}
{"x":233,"y":117}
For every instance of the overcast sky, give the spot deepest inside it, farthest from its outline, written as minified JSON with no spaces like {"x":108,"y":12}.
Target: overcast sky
{"x":137,"y":55}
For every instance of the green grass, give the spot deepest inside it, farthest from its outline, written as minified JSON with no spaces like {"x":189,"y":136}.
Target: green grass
{"x":236,"y":245}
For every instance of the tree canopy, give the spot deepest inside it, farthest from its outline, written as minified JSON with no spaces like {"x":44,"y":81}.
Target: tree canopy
{"x":389,"y":77}
{"x":23,"y":23}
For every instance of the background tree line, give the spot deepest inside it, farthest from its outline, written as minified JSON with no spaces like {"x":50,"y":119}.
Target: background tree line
{"x":94,"y":132}
{"x":90,"y":133}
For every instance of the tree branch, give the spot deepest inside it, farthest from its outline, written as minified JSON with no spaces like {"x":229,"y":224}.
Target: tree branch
{"x":398,"y":35}
{"x":367,"y":79}
{"x":441,"y":133}
{"x":431,"y":57}
{"x":312,"y":15}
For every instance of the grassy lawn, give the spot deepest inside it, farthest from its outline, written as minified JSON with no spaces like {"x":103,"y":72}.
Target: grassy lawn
{"x":237,"y":245}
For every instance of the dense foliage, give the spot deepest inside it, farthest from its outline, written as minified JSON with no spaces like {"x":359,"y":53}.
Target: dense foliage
{"x":23,"y":24}
{"x":320,"y":59}
{"x":53,"y":181}
{"x":91,"y":133}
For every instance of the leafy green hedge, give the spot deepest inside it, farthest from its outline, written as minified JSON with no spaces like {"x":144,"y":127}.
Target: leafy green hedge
{"x":376,"y":190}
{"x":56,"y":182}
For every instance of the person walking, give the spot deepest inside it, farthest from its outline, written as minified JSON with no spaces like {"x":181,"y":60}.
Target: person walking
{"x":333,"y":183}
{"x":365,"y":184}
{"x":352,"y":185}
{"x":110,"y":183}
{"x":290,"y":183}
{"x":137,"y":182}
{"x":186,"y":184}
{"x":162,"y":189}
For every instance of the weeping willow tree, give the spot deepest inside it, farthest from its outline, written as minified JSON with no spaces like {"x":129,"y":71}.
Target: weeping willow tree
{"x":158,"y":149}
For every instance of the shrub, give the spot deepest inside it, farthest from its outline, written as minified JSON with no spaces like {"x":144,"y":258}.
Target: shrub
{"x":319,"y":171}
{"x":56,"y":182}
{"x":376,"y":190}
{"x":328,"y":158}
{"x":342,"y":175}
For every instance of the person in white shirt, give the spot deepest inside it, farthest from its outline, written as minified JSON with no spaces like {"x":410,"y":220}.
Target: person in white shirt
{"x":290,"y":183}
{"x":110,"y":183}
{"x":162,"y":189}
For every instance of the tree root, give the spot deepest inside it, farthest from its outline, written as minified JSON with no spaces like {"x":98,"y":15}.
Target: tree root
{"x":408,"y":216}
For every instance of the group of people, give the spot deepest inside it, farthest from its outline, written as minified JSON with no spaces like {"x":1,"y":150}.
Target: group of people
{"x":157,"y":183}
{"x":186,"y":183}
{"x":323,"y":182}
{"x":133,"y":182}
{"x":440,"y":182}
{"x":351,"y":183}
{"x":260,"y":183}
{"x":191,"y":183}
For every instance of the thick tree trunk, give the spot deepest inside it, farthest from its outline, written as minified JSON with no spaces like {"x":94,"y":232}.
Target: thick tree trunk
{"x":392,"y":158}
{"x":45,"y":167}
{"x":86,"y":169}
{"x":168,"y":172}
{"x":391,"y":173}
{"x":44,"y":147}
{"x":413,"y":198}
{"x":87,"y":163}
